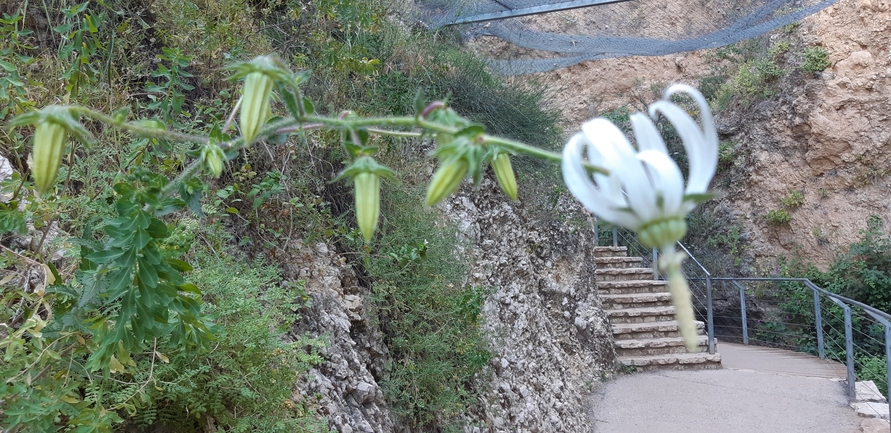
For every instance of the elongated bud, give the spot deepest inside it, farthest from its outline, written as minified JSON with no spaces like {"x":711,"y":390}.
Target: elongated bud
{"x":255,"y":104}
{"x":49,"y":143}
{"x":504,"y":172}
{"x":368,"y":203}
{"x":446,"y":180}
{"x":213,"y":157}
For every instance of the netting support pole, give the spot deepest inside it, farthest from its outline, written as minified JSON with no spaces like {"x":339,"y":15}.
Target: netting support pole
{"x":532,"y":10}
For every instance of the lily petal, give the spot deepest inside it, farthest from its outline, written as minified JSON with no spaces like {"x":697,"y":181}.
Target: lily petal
{"x":646,"y":134}
{"x":611,"y":142}
{"x":667,"y":180}
{"x":579,"y":183}
{"x":703,"y":162}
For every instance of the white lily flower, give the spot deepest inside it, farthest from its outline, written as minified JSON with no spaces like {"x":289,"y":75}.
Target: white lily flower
{"x":644,"y":190}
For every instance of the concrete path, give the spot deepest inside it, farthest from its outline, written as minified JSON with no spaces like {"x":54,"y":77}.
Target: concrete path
{"x":729,"y":400}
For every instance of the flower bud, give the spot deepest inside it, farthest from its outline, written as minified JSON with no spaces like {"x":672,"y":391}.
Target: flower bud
{"x":663,"y":234}
{"x":505,"y":174}
{"x":255,"y":104}
{"x":49,"y":142}
{"x":368,"y":202}
{"x":213,"y":157}
{"x":446,"y":180}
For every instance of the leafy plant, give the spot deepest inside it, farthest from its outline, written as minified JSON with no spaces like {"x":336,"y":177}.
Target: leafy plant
{"x":814,"y":59}
{"x":793,"y":199}
{"x":778,"y":217}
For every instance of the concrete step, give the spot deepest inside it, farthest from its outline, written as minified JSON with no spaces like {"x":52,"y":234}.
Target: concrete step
{"x":635,"y":300}
{"x":675,"y":361}
{"x":618,"y":262}
{"x":623,"y":274}
{"x":637,"y":331}
{"x":610,"y":251}
{"x":640,"y":315}
{"x":657,"y":346}
{"x":643,"y":286}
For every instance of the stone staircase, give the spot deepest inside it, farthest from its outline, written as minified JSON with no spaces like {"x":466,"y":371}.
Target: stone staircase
{"x":642,"y":317}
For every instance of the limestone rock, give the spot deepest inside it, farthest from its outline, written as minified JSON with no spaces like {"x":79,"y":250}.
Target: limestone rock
{"x":550,"y":338}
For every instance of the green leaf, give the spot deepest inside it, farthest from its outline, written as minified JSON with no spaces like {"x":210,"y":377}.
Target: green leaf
{"x":140,"y":239}
{"x":180,"y":265}
{"x":146,"y":273}
{"x":106,"y":256}
{"x":9,"y":67}
{"x":308,"y":106}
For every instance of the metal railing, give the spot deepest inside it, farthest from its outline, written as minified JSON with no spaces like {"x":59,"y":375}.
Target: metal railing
{"x":793,"y":314}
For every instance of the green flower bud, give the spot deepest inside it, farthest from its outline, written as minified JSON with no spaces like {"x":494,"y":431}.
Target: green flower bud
{"x":368,"y":202}
{"x":255,"y":104}
{"x":505,"y":174}
{"x":213,"y":157}
{"x":663,"y":234}
{"x":49,"y":143}
{"x":446,"y":180}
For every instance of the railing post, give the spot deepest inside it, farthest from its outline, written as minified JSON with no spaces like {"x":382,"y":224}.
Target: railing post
{"x":655,"y":264}
{"x":742,"y":309}
{"x":615,"y":237}
{"x":710,"y":322}
{"x":818,"y":316}
{"x":596,"y":233}
{"x":849,"y":348}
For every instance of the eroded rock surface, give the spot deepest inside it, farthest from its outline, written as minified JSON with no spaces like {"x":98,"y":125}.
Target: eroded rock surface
{"x":551,"y":341}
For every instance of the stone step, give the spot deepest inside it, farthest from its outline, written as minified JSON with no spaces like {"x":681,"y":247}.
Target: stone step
{"x":636,"y":331}
{"x":641,"y":315}
{"x":626,"y":287}
{"x":676,"y":361}
{"x":623,"y":274}
{"x":635,"y":300}
{"x":657,"y":346}
{"x":617,"y":262}
{"x":610,"y":251}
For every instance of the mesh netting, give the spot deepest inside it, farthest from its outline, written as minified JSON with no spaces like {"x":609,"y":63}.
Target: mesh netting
{"x":540,"y":41}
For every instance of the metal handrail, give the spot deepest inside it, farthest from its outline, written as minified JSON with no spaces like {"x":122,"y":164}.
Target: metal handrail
{"x":844,"y":302}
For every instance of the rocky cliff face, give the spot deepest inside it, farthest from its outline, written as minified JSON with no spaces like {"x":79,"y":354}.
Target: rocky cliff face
{"x":550,"y":339}
{"x":825,"y":135}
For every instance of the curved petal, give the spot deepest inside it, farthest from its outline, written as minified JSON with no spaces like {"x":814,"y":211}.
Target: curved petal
{"x":646,"y":134}
{"x":585,"y":191}
{"x":667,"y":180}
{"x":701,"y":152}
{"x":617,"y":152}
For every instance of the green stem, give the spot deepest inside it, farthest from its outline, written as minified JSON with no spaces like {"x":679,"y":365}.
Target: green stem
{"x":139,"y":130}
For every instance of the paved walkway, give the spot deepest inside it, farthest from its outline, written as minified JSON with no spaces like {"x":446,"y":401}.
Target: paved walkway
{"x":759,"y":390}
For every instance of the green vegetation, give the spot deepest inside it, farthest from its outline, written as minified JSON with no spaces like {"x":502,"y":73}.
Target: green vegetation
{"x":168,"y":313}
{"x":814,"y":59}
{"x":778,"y":217}
{"x":794,"y":199}
{"x":861,"y":274}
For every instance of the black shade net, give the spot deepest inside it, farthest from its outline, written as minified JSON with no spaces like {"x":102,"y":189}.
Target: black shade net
{"x":542,"y":35}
